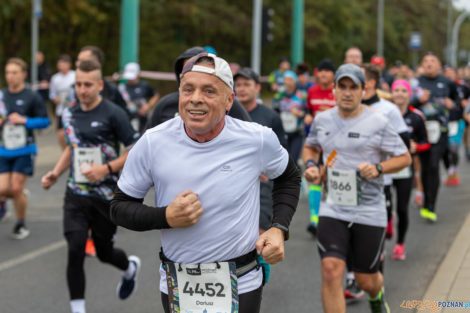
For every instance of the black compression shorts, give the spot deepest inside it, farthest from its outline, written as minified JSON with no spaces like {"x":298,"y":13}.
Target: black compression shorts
{"x":335,"y":238}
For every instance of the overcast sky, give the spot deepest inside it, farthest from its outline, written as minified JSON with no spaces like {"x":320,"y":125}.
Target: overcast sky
{"x":462,"y":4}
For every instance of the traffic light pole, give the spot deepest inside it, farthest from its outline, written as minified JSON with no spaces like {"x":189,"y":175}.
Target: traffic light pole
{"x":129,"y":41}
{"x":297,"y":41}
{"x":256,"y":36}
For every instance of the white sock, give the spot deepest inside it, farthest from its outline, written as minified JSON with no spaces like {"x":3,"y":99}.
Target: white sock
{"x":452,"y":170}
{"x":350,"y":275}
{"x":130,"y":271}
{"x":78,"y":306}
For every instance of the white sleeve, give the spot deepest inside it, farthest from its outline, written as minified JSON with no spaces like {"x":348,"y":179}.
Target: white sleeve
{"x":274,"y":157}
{"x":397,"y":121}
{"x":52,"y":88}
{"x":136,"y":177}
{"x":391,"y":143}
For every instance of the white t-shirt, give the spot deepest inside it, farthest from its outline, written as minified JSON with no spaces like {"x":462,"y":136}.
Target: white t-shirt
{"x":60,"y":86}
{"x":224,"y":172}
{"x":393,"y":115}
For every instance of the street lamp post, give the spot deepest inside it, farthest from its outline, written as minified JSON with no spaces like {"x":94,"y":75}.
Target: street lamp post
{"x":36,"y":14}
{"x":256,"y":36}
{"x":455,"y":36}
{"x":380,"y":28}
{"x":448,"y":53}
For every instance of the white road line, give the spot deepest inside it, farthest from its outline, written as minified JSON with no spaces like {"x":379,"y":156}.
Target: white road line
{"x":31,"y":255}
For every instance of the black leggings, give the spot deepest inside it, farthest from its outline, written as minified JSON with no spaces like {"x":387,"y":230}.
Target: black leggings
{"x":105,"y":252}
{"x":82,"y":213}
{"x":249,"y":302}
{"x":451,"y":156}
{"x":430,"y":172}
{"x":388,"y":201}
{"x":403,"y":190}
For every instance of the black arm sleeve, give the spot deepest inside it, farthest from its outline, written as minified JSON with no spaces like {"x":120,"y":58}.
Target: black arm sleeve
{"x":132,"y":214}
{"x":405,"y":136}
{"x":286,"y":191}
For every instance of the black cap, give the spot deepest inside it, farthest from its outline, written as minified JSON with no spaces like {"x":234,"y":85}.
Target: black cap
{"x":247,"y":73}
{"x":326,"y":64}
{"x":189,"y":53}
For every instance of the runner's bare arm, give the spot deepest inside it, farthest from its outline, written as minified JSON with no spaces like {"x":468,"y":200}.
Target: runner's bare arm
{"x":392,"y":165}
{"x":311,"y":173}
{"x":62,"y":165}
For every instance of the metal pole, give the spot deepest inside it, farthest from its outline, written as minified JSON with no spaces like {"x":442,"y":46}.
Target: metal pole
{"x":380,"y":28}
{"x":256,"y":36}
{"x":415,"y":60}
{"x":455,"y":36}
{"x":449,"y":31}
{"x":35,"y":15}
{"x":297,"y":44}
{"x":129,"y":43}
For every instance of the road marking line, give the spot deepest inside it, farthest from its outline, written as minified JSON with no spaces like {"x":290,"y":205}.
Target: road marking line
{"x":31,"y":255}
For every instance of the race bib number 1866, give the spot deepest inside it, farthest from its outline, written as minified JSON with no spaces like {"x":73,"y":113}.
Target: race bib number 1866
{"x":342,"y":187}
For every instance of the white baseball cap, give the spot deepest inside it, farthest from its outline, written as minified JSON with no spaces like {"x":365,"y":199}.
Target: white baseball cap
{"x":131,"y":71}
{"x":221,"y":68}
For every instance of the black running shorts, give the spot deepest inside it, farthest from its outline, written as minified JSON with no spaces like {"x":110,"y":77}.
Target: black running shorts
{"x":336,"y":238}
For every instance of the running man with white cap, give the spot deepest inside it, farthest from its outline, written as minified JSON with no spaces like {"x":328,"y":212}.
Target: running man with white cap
{"x":140,"y":97}
{"x":205,"y":168}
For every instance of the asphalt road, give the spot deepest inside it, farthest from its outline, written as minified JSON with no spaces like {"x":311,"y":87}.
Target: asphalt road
{"x":32,"y":271}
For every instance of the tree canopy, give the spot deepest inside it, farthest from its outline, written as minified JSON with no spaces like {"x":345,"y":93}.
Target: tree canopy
{"x":167,"y":27}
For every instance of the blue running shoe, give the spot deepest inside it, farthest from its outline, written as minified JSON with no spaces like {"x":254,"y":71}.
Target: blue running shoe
{"x":127,"y":286}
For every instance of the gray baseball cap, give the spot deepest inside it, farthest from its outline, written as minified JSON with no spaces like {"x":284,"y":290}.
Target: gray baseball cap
{"x":247,"y":73}
{"x":351,"y":71}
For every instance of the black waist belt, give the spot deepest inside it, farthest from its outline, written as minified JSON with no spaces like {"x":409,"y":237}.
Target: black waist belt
{"x":244,"y":264}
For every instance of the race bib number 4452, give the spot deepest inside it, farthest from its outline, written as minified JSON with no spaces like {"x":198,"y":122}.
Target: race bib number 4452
{"x":203,"y":288}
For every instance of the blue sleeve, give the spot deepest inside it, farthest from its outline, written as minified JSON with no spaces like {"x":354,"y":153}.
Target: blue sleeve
{"x":37,"y":122}
{"x":38,"y":117}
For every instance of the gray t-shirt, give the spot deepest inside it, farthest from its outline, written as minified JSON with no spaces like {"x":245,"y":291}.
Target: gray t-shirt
{"x":369,"y":138}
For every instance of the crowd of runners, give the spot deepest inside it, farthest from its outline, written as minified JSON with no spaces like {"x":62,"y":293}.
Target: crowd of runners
{"x":365,"y":140}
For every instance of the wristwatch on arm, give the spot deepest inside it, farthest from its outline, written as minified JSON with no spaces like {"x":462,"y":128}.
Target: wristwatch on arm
{"x":310,"y":163}
{"x":379,"y":169}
